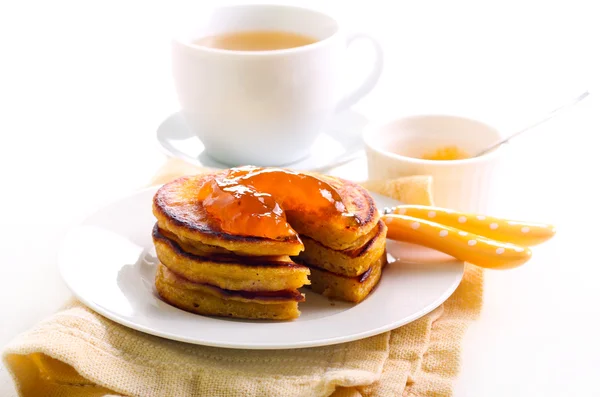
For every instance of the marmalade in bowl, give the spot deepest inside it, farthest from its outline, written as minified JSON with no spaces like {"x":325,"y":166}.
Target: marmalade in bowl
{"x":446,"y":153}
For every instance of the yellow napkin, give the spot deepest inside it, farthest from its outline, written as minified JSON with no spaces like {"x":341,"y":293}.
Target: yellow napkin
{"x":79,"y":353}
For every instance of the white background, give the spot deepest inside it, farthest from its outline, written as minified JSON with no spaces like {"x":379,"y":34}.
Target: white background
{"x":83,"y":86}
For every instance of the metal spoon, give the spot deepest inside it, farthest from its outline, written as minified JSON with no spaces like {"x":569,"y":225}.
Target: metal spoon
{"x":548,"y":117}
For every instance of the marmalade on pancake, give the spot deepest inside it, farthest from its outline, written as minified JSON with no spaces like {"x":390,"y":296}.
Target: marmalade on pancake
{"x":243,"y":202}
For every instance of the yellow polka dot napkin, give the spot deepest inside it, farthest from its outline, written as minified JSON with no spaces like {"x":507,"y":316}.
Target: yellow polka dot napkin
{"x":79,"y":353}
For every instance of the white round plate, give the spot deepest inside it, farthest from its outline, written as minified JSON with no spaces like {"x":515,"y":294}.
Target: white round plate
{"x":340,"y":143}
{"x":108,"y":262}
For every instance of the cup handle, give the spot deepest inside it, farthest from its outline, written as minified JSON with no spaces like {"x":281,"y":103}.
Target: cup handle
{"x":371,"y":79}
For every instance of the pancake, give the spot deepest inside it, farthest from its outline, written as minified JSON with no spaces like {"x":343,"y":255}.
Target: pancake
{"x":195,"y":247}
{"x":351,"y":262}
{"x":179,"y":210}
{"x":230,"y":272}
{"x":334,"y":232}
{"x":351,"y":289}
{"x":211,"y":301}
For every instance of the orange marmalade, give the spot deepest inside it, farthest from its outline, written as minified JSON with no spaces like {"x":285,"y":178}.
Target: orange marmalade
{"x":446,"y":153}
{"x":252,"y":200}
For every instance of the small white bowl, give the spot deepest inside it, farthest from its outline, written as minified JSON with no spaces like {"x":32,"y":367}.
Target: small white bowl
{"x":394,"y":149}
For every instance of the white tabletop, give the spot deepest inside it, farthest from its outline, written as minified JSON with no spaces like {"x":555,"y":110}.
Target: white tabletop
{"x":83,"y":87}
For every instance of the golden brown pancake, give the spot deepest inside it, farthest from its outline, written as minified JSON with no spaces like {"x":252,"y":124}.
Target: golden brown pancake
{"x":197,"y":248}
{"x":351,"y":289}
{"x":179,"y":211}
{"x":207,"y":300}
{"x":351,"y":262}
{"x":335,"y":233}
{"x":228,"y":271}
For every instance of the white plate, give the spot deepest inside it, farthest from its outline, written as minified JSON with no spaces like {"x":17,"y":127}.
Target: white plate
{"x":340,"y":143}
{"x":108,"y":262}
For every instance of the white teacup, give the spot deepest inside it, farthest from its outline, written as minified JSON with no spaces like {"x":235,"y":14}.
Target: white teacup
{"x":264,"y":107}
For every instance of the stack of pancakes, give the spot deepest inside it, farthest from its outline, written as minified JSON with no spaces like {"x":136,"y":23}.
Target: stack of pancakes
{"x":208,"y":271}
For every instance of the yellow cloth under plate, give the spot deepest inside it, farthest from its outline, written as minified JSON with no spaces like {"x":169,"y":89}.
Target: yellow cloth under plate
{"x":78,"y":353}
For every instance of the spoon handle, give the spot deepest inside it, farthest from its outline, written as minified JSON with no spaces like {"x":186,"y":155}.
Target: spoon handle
{"x":510,"y":231}
{"x":478,"y":250}
{"x":543,"y":120}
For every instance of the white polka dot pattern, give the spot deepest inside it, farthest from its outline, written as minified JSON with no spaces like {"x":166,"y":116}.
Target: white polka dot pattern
{"x":474,"y":248}
{"x":520,"y":233}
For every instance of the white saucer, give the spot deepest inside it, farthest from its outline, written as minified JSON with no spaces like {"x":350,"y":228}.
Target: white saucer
{"x":109,"y":263}
{"x":341,"y":143}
